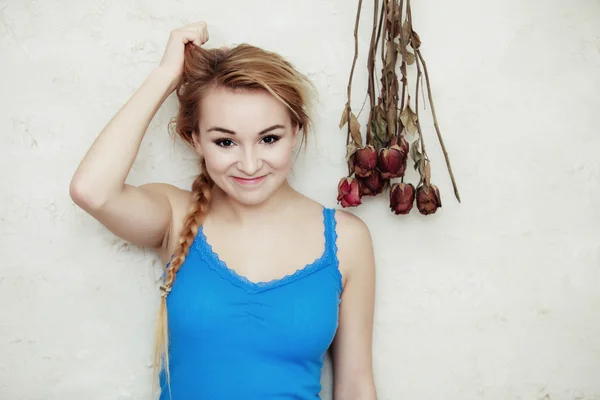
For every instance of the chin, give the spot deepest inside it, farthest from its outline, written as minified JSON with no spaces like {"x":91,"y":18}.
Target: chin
{"x":252,"y":200}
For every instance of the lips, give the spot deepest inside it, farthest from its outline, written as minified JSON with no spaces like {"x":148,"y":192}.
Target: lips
{"x":249,"y":182}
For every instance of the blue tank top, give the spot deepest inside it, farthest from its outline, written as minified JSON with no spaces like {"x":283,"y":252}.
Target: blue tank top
{"x":231,"y":338}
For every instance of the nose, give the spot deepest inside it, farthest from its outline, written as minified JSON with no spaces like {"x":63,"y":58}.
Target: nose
{"x":250,"y":162}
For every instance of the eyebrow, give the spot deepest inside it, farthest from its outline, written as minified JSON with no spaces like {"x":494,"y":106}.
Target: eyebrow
{"x":223,"y":130}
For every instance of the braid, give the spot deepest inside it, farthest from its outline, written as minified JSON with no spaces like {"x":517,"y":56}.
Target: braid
{"x":201,"y":194}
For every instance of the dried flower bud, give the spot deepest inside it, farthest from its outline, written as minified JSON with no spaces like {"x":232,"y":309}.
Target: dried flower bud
{"x":349,"y":192}
{"x":402,"y":198}
{"x":371,"y":185}
{"x":428,"y":199}
{"x":365,"y":161}
{"x":392,"y":160}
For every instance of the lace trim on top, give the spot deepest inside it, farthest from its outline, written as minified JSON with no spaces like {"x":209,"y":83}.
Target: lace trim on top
{"x":329,"y":257}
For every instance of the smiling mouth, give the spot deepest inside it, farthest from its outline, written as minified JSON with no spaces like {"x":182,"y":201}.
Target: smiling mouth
{"x":249,"y":182}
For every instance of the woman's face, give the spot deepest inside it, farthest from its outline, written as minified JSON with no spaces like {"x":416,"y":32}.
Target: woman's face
{"x":247,"y":141}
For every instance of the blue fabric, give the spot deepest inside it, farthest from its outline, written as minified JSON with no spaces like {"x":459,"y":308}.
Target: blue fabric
{"x":234,"y":339}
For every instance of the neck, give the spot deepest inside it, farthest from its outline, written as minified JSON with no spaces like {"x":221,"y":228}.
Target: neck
{"x":226,"y":208}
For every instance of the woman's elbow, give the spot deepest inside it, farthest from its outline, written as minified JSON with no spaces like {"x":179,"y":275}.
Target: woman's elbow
{"x":83,"y":194}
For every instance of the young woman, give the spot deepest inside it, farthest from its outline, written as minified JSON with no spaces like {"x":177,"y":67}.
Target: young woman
{"x":260,"y":280}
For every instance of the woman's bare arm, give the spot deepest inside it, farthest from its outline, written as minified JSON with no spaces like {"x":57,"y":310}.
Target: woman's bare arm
{"x":352,"y":347}
{"x":140,"y":215}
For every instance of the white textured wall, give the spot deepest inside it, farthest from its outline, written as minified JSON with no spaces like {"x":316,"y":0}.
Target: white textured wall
{"x":495,"y":298}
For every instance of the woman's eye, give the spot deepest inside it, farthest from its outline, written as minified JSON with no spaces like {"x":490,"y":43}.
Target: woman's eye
{"x":224,"y":142}
{"x":270,"y":139}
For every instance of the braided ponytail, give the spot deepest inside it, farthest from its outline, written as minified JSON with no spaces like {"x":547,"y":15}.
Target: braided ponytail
{"x":201,"y":194}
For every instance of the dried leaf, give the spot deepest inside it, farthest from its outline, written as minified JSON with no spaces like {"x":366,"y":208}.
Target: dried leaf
{"x":378,"y":142}
{"x":355,"y":130}
{"x":422,"y":168}
{"x":390,"y":11}
{"x":395,"y":29}
{"x":403,"y":71}
{"x":380,"y":126}
{"x":344,"y":115}
{"x":407,"y":56}
{"x":350,"y":149}
{"x":401,"y":129}
{"x":409,"y":119}
{"x":415,"y":153}
{"x":415,"y":40}
{"x":406,"y":31}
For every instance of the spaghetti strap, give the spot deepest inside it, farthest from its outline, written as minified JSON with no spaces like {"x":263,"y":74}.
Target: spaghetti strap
{"x":330,"y":231}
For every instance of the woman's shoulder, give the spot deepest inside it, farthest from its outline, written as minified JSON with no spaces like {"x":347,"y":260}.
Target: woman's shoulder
{"x":354,"y":244}
{"x":350,"y":226}
{"x":350,"y":229}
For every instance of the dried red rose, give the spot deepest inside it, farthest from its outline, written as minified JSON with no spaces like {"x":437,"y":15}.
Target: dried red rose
{"x":364,"y":161}
{"x":392,"y":160}
{"x":402,"y":198}
{"x":349,"y":192}
{"x":371,"y":185}
{"x":428,"y":199}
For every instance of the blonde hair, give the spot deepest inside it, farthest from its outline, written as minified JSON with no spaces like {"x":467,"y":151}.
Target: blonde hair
{"x":243,"y":67}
